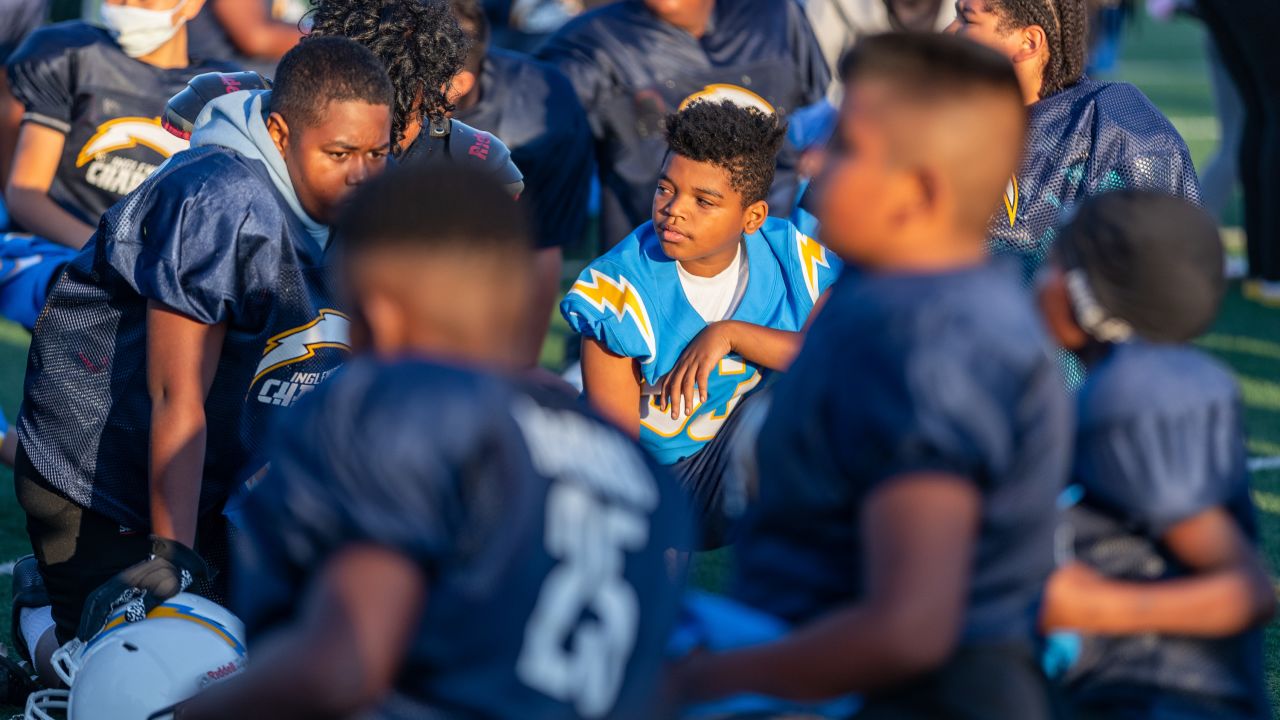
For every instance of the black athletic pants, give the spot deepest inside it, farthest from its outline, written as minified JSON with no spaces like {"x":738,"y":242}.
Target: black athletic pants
{"x":1246,"y":32}
{"x":77,"y":550}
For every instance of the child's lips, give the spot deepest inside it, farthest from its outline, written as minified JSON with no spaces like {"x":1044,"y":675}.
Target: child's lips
{"x":671,"y":235}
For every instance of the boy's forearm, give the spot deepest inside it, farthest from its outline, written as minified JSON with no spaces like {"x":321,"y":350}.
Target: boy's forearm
{"x":1211,"y":605}
{"x":178,"y":434}
{"x":39,"y":214}
{"x":774,"y":349}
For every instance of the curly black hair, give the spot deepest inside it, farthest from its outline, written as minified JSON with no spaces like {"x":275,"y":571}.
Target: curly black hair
{"x":419,"y":42}
{"x":744,"y":141}
{"x":1065,"y":22}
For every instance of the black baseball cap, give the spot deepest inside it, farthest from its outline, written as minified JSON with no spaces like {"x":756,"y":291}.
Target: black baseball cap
{"x":1142,"y":263}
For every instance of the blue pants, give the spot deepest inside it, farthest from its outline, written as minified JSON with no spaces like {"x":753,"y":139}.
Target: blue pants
{"x":28,"y":267}
{"x":714,"y":623}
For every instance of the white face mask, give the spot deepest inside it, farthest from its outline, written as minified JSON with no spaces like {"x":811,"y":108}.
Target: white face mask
{"x":139,"y":31}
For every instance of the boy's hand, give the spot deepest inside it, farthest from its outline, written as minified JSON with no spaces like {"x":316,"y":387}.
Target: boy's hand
{"x":171,"y":569}
{"x":1070,"y":589}
{"x":694,"y":368}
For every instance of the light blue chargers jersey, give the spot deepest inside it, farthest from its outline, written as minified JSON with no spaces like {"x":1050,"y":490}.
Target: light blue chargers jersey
{"x":631,"y":301}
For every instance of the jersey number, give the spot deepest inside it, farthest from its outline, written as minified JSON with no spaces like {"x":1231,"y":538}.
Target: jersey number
{"x":583,"y":628}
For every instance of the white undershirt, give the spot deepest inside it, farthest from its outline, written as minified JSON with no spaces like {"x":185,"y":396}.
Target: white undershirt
{"x":716,"y":297}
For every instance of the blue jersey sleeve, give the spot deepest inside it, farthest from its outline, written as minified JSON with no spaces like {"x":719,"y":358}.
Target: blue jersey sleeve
{"x":42,"y":78}
{"x":810,"y":268}
{"x":191,"y":241}
{"x":608,"y":306}
{"x":1163,"y":462}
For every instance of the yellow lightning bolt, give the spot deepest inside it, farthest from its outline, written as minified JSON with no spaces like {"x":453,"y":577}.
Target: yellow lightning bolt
{"x":1011,"y":200}
{"x":621,"y":297}
{"x":812,"y":254}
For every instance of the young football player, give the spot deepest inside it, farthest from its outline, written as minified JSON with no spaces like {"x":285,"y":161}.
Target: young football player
{"x":1084,"y":137}
{"x":508,"y":562}
{"x":633,"y":63}
{"x":200,"y":311}
{"x":688,"y":316}
{"x":1170,"y":591}
{"x":912,"y":455}
{"x":93,"y":97}
{"x":533,"y":109}
{"x":424,"y":50}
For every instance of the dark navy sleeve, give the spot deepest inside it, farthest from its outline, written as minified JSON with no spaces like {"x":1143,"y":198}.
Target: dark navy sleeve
{"x":576,"y":51}
{"x":949,"y":409}
{"x":557,"y":168}
{"x":1154,"y":468}
{"x":193,"y":241}
{"x":42,"y":77}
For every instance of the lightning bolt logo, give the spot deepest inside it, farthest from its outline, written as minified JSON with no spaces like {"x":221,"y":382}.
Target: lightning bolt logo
{"x":620,"y":296}
{"x":812,"y":254}
{"x":174,"y":611}
{"x":1011,"y":200}
{"x":330,"y":329}
{"x":129,"y":132}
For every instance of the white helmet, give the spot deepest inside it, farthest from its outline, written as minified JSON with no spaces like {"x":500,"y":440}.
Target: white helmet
{"x":129,"y":670}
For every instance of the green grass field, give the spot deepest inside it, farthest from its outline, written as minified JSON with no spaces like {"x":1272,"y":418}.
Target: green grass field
{"x":1167,"y":62}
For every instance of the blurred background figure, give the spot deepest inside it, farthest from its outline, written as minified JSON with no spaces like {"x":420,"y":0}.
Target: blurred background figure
{"x":92,"y":95}
{"x":532,"y":108}
{"x":632,"y":62}
{"x":254,"y":34}
{"x":18,"y":18}
{"x":839,"y":24}
{"x":1244,"y":33}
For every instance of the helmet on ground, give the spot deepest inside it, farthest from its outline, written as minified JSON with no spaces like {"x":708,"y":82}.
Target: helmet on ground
{"x":129,"y":671}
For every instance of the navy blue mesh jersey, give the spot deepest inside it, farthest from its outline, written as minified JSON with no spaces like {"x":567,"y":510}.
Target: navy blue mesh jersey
{"x":948,"y":372}
{"x":1161,"y":440}
{"x":210,"y":237}
{"x":540,"y":531}
{"x":630,"y":70}
{"x":1086,"y":140}
{"x":72,"y":77}
{"x":533,"y":109}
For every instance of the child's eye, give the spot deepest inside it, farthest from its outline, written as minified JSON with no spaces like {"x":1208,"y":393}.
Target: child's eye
{"x":705,"y":202}
{"x":338,"y":155}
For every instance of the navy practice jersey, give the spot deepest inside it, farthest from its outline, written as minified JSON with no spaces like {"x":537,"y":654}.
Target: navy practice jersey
{"x":533,"y":109}
{"x":21,"y":18}
{"x":458,"y":142}
{"x":630,"y":70}
{"x":540,"y":531}
{"x":210,"y":237}
{"x":1086,"y":140}
{"x":1161,"y":440}
{"x":72,"y":77}
{"x":949,"y":373}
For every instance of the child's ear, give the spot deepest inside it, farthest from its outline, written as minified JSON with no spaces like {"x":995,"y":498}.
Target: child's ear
{"x":754,"y":216}
{"x":278,"y":129}
{"x":1055,"y":308}
{"x":1032,"y":43}
{"x":461,"y":84}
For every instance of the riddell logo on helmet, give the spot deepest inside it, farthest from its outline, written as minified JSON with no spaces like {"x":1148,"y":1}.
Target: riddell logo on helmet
{"x":221,"y":673}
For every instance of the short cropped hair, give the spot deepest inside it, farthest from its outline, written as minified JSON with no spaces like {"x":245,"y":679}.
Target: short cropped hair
{"x":743,"y":141}
{"x":1065,"y":24}
{"x":930,"y":65}
{"x":418,"y":41}
{"x":432,"y":207}
{"x":314,"y":74}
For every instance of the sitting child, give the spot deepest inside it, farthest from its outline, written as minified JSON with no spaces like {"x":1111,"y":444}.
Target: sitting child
{"x":688,"y":315}
{"x":1170,"y":592}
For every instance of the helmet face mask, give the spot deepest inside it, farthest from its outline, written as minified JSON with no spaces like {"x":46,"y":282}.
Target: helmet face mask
{"x":132,"y":670}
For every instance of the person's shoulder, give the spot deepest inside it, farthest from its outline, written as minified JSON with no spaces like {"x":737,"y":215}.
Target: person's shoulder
{"x":1146,"y":378}
{"x":64,"y":38}
{"x":614,"y":15}
{"x":529,"y":74}
{"x":1125,"y":106}
{"x":215,"y":176}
